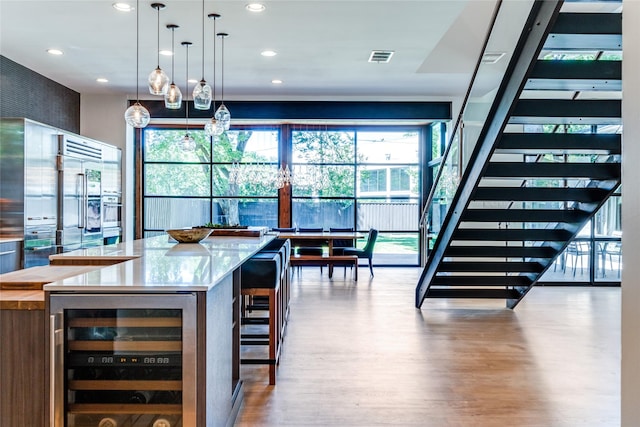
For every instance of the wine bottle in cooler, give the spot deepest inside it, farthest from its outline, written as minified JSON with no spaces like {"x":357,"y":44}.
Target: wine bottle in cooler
{"x":110,"y":421}
{"x":143,"y":396}
{"x":166,"y":421}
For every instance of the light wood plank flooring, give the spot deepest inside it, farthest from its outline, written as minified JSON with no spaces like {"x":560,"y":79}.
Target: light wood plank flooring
{"x":360,"y":354}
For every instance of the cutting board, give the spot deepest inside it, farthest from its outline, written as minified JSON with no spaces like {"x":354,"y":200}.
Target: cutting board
{"x":239,"y":232}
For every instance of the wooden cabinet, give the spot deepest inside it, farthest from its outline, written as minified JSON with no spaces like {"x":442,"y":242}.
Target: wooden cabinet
{"x":22,"y":361}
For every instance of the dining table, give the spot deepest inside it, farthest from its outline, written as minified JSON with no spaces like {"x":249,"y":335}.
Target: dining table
{"x":323,"y":238}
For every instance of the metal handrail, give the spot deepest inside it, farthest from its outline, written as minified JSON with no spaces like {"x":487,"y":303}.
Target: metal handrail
{"x":459,"y":118}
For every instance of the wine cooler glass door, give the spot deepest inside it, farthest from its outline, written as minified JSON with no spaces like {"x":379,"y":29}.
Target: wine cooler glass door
{"x":123,"y":360}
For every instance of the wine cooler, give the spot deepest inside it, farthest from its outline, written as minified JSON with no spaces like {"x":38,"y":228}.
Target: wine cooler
{"x":123,"y":360}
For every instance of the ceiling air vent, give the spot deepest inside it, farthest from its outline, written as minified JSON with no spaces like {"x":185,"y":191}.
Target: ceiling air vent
{"x":381,"y":56}
{"x":492,"y":57}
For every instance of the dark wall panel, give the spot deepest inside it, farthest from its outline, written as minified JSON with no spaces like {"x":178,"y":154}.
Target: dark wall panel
{"x":25,"y":93}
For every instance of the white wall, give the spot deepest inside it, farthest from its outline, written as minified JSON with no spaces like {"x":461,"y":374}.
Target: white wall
{"x":102,"y":118}
{"x":630,"y":371}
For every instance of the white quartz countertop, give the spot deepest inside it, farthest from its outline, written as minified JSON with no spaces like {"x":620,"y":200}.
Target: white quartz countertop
{"x":159,"y":265}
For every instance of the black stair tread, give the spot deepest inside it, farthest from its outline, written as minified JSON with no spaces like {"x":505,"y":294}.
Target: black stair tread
{"x":490,"y":267}
{"x":487,"y":234}
{"x":560,"y":143}
{"x":575,"y":75}
{"x":596,"y":171}
{"x":557,"y":194}
{"x":576,"y":69}
{"x":524,"y":215}
{"x":586,"y":31}
{"x":587,"y":23}
{"x":473,"y":293}
{"x":500,"y":280}
{"x":567,"y":111}
{"x":501,"y":251}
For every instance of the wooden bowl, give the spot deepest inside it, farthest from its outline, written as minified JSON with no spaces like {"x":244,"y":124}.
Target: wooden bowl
{"x":193,"y":235}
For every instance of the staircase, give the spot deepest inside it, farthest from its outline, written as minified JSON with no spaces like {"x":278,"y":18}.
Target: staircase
{"x":544,"y":160}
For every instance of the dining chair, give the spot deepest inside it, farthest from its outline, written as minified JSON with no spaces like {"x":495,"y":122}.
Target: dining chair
{"x":577,"y":250}
{"x":614,"y":249}
{"x":284,"y":229}
{"x":340,"y":244}
{"x":309,"y":247}
{"x":367,"y":251}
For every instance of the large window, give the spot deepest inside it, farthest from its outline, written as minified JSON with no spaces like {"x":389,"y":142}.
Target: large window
{"x":343,"y":177}
{"x":360,"y":178}
{"x":224,"y":181}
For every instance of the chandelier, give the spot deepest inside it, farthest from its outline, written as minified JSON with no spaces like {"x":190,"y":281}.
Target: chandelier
{"x":173,"y":96}
{"x":187,"y":142}
{"x":259,"y":174}
{"x":202,"y":91}
{"x":158,"y":79}
{"x":311,"y":177}
{"x":136,"y":115}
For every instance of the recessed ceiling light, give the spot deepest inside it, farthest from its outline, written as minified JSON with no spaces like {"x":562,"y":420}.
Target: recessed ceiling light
{"x":123,"y":7}
{"x":166,"y":53}
{"x":276,"y":81}
{"x":102,"y":80}
{"x":255,"y":7}
{"x":54,"y":51}
{"x":268,"y":53}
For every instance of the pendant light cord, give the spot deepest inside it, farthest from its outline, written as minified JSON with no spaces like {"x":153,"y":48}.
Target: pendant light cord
{"x":214,"y":64}
{"x":137,"y":46}
{"x":186,"y":82}
{"x":222,"y":70}
{"x":158,"y":38}
{"x":202,"y":40}
{"x":173,"y":53}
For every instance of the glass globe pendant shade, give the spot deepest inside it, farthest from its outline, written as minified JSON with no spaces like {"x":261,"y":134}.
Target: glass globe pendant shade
{"x":213,"y":128}
{"x":187,"y":143}
{"x":202,"y":96}
{"x":137,"y":116}
{"x":173,"y":97}
{"x":158,"y":82}
{"x":223,"y":115}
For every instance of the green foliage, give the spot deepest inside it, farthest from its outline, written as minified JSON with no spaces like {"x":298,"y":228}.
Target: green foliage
{"x":323,"y":163}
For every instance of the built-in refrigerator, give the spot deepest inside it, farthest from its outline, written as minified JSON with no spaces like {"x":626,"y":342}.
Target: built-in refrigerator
{"x":28,"y":187}
{"x":55,"y":189}
{"x":80,"y":193}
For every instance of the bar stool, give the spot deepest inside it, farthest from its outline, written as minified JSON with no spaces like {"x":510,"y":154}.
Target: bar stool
{"x":261,"y":276}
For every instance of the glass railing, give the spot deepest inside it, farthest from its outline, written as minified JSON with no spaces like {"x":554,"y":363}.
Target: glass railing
{"x":507,"y":23}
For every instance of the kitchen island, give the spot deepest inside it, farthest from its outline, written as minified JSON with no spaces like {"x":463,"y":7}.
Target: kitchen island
{"x":167,"y":320}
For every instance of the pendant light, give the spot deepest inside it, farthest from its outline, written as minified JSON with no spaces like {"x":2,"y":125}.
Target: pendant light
{"x":136,"y":115}
{"x":202,"y":91}
{"x":213,"y":126}
{"x":158,"y":80}
{"x":173,"y":97}
{"x":222,"y":114}
{"x":187,"y":143}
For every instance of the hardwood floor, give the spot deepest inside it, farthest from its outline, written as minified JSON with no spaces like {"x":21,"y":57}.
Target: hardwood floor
{"x":360,"y":354}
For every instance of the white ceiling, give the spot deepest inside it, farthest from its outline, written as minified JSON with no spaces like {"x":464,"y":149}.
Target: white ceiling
{"x":323,"y":46}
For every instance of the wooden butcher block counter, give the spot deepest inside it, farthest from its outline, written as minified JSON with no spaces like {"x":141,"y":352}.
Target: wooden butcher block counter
{"x":36,"y":277}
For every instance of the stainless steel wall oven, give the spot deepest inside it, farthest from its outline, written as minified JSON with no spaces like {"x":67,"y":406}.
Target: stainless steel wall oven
{"x":111,"y":211}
